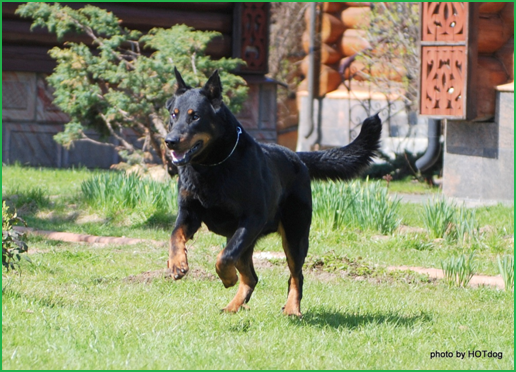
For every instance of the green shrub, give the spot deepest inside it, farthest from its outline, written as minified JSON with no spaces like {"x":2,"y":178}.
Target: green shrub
{"x":506,"y":267}
{"x":464,"y":227}
{"x":458,"y":270}
{"x":12,"y":244}
{"x":115,"y":85}
{"x":34,"y":196}
{"x":366,"y":206}
{"x":445,"y":220}
{"x":438,"y":216}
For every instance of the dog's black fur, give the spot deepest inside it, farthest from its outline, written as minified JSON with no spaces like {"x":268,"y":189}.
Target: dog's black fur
{"x":244,"y":190}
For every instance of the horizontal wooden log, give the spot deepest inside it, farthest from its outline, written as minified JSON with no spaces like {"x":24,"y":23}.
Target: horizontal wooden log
{"x":18,"y":32}
{"x":26,"y":59}
{"x":304,"y":65}
{"x":332,"y":6}
{"x":493,"y":33}
{"x":331,"y":27}
{"x":329,"y":80}
{"x":490,"y":73}
{"x":359,"y":71}
{"x":146,"y":17}
{"x":356,"y":70}
{"x":355,"y":17}
{"x":353,"y":41}
{"x":329,"y":55}
{"x":358,"y":4}
{"x":491,"y":7}
{"x":199,"y":7}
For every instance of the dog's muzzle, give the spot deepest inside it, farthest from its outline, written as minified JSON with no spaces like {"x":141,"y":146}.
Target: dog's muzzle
{"x":181,"y":158}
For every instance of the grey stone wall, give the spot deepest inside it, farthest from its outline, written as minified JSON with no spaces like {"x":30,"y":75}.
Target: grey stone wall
{"x":479,"y":157}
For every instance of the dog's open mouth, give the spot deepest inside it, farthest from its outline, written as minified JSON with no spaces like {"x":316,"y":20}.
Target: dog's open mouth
{"x":183,"y":158}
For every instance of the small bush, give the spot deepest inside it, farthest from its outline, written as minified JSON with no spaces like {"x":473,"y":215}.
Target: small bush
{"x":12,"y":244}
{"x":34,"y":197}
{"x":445,"y":220}
{"x":506,"y":267}
{"x":366,"y":206}
{"x":464,"y":227}
{"x":438,"y":216}
{"x":458,"y":270}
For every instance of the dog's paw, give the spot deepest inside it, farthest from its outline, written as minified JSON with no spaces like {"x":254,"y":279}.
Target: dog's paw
{"x":229,"y":282}
{"x":227,"y":274}
{"x":178,"y":269}
{"x":291,"y":311}
{"x":231,"y":309}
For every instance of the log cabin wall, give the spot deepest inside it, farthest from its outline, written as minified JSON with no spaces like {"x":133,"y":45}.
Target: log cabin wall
{"x":30,"y":120}
{"x":344,"y":90}
{"x":479,"y":150}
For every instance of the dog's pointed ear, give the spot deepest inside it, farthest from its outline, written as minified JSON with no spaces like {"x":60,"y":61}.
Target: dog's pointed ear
{"x":181,"y":85}
{"x":213,"y":90}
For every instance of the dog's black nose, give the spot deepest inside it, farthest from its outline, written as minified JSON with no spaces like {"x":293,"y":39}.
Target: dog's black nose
{"x":171,"y":141}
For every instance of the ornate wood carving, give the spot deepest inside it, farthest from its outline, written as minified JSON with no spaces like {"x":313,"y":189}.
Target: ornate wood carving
{"x":448,"y":56}
{"x":442,"y":80}
{"x":251,"y":34}
{"x":444,"y":21}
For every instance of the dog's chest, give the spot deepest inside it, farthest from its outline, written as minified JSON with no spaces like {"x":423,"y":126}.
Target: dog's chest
{"x":210,"y":192}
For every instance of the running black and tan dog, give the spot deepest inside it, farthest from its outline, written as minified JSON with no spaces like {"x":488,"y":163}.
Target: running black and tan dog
{"x":244,"y":190}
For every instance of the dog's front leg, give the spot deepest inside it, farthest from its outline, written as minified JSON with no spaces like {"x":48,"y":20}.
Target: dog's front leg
{"x":242,"y":240}
{"x":186,"y":225}
{"x":238,"y":256}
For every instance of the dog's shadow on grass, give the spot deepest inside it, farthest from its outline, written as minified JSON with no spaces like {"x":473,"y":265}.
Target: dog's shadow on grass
{"x":350,"y":320}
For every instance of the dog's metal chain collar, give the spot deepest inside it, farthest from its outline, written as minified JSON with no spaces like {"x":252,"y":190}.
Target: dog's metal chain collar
{"x":239,"y":132}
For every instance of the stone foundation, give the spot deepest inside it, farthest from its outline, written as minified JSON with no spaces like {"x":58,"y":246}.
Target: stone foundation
{"x":479,"y":157}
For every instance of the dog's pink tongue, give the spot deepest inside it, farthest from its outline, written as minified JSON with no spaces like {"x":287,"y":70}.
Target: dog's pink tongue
{"x":177,"y":156}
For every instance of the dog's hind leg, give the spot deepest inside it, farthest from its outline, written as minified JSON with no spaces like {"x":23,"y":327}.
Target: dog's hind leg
{"x":248,"y":281}
{"x":294,"y":230}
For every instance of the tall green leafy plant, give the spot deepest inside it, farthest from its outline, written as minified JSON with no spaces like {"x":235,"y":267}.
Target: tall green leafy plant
{"x":12,"y":244}
{"x":112,"y":86}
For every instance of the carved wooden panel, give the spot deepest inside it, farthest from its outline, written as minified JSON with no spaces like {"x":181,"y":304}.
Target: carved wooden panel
{"x":448,"y":57}
{"x":252,"y":36}
{"x":444,"y":21}
{"x":442,"y":80}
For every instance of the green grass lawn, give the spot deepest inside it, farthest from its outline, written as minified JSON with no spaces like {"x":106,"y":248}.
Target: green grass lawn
{"x":78,"y":306}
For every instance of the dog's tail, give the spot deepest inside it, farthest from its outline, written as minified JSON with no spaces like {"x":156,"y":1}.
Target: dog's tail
{"x":344,"y":163}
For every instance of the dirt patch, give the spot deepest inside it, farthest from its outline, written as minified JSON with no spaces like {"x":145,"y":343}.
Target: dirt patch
{"x":476,"y":280}
{"x":77,"y":238}
{"x":165,"y":274}
{"x":262,"y":260}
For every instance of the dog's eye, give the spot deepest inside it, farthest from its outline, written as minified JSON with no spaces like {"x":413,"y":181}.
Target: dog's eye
{"x":195,"y":117}
{"x":173,"y":116}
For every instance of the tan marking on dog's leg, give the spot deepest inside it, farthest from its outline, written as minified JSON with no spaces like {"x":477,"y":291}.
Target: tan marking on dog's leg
{"x":248,"y":281}
{"x":178,"y":262}
{"x":226,"y":271}
{"x":245,"y":289}
{"x":293,"y":305}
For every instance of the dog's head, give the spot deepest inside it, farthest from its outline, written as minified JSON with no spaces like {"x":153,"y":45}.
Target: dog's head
{"x":193,"y":119}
